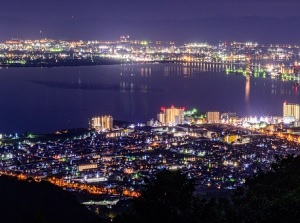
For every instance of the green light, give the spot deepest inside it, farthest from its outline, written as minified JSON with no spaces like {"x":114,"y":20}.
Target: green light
{"x":144,"y":42}
{"x":56,"y":50}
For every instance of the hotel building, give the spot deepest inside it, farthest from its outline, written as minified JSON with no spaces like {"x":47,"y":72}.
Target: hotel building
{"x":213,"y":117}
{"x":171,"y":116}
{"x":101,"y":123}
{"x":291,"y":110}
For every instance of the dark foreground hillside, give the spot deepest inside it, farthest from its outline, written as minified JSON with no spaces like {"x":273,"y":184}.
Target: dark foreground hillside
{"x":272,"y":196}
{"x":22,"y":201}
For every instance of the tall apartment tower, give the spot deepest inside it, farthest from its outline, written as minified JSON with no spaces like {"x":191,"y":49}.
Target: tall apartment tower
{"x":213,"y":117}
{"x":171,"y":116}
{"x":101,"y":123}
{"x":161,"y":117}
{"x":290,"y":109}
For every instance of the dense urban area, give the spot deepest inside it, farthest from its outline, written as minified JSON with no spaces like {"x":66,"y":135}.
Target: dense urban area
{"x":115,"y":160}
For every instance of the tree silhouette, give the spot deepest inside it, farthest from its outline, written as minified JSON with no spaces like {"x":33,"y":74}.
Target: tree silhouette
{"x":167,"y":198}
{"x":273,"y":196}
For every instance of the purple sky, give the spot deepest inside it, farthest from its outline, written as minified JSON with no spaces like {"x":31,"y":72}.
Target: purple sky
{"x":159,"y":19}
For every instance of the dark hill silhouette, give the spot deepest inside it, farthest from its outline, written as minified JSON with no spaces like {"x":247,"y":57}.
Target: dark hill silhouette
{"x":33,"y":202}
{"x":266,"y":197}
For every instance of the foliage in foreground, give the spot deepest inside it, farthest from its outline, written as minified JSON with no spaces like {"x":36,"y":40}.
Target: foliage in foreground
{"x":266,"y":197}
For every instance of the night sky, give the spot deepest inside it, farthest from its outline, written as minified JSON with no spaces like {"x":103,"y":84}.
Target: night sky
{"x":189,"y":20}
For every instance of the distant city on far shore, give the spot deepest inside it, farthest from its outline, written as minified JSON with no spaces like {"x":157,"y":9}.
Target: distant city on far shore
{"x":254,"y":58}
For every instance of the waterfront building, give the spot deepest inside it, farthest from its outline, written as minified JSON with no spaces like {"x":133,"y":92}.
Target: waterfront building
{"x":213,"y":117}
{"x":291,"y":110}
{"x":161,"y":117}
{"x":101,"y":123}
{"x":171,"y":116}
{"x":174,"y":116}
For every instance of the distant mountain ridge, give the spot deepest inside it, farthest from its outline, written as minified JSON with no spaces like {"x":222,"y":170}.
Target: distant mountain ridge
{"x":212,"y":30}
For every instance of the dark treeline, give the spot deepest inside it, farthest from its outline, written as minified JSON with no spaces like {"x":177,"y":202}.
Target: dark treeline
{"x":266,"y":197}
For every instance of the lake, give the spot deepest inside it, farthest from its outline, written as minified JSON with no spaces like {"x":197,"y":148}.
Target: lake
{"x":42,"y":100}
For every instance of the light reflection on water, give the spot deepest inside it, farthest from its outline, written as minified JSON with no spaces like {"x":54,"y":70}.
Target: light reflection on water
{"x":47,"y":99}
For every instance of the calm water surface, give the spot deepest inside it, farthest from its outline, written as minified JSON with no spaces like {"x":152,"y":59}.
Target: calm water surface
{"x":43,"y":100}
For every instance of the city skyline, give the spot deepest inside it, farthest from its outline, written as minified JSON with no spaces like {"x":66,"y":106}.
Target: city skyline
{"x":81,"y":85}
{"x":184,"y":21}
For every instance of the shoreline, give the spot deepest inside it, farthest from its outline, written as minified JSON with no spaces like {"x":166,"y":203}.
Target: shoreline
{"x":78,"y":63}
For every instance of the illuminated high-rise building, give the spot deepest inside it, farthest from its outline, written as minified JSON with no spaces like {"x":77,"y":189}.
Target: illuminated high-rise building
{"x":291,"y":110}
{"x":161,"y":117}
{"x":101,"y":123}
{"x":213,"y":117}
{"x":171,"y":116}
